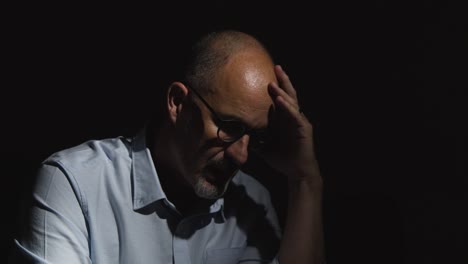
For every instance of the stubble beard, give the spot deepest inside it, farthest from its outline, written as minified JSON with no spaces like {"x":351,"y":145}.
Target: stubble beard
{"x":214,"y":180}
{"x":207,"y":190}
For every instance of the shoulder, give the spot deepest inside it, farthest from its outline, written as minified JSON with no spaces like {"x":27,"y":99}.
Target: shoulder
{"x":95,"y":167}
{"x":91,"y":153}
{"x":94,"y":162}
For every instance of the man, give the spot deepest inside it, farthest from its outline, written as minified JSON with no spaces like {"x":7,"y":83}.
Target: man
{"x":175,"y":192}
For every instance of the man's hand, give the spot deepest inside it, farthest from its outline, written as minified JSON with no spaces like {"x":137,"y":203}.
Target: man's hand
{"x":292,"y":150}
{"x":292,"y":153}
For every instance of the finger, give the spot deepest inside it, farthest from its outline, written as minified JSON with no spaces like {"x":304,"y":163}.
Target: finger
{"x":285,"y":82}
{"x":275,"y":91}
{"x":290,"y":109}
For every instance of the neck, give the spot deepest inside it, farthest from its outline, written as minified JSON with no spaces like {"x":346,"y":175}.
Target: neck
{"x":175,"y":186}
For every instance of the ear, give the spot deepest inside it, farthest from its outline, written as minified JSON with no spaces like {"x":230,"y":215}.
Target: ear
{"x":176,"y":94}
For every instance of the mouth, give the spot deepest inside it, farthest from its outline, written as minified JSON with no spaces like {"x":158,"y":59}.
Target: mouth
{"x":219,"y":172}
{"x":218,"y":176}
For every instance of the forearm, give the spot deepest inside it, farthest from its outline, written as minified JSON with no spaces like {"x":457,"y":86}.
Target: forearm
{"x":303,"y":240}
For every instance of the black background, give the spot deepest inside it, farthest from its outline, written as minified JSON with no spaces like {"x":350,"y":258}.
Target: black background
{"x":382,"y":82}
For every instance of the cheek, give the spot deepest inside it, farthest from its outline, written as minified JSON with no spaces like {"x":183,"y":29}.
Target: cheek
{"x":189,"y":127}
{"x":200,"y":133}
{"x":190,"y":136}
{"x":197,"y":138}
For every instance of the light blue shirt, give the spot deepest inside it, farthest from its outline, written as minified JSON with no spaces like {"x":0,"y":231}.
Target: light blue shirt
{"x":102,"y":202}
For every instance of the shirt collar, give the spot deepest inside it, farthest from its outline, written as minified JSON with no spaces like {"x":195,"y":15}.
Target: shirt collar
{"x":146,"y":185}
{"x":147,"y":188}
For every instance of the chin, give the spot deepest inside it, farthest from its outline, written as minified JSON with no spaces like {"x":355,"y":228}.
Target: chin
{"x":208,"y":190}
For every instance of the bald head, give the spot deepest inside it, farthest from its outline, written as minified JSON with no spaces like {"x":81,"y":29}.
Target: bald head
{"x":212,"y":52}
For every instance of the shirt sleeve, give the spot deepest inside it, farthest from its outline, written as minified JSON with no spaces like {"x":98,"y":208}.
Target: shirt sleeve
{"x":56,"y":231}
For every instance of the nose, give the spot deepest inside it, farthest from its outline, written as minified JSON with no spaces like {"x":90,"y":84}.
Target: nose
{"x":237,"y":151}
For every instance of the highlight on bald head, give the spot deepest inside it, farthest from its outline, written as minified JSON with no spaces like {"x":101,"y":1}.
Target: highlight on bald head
{"x":213,"y":51}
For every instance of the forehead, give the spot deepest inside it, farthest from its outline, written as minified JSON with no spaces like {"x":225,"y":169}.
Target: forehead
{"x":240,"y":87}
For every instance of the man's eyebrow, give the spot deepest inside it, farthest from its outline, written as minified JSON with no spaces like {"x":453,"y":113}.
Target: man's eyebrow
{"x":229,"y":117}
{"x":233,"y":117}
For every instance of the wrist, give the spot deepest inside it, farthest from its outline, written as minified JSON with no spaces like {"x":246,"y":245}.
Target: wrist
{"x":308,"y":175}
{"x":306,"y":185}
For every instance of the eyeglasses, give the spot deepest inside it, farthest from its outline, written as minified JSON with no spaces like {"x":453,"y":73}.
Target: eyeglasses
{"x":231,"y":130}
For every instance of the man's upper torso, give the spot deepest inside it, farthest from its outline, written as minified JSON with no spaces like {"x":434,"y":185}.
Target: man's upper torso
{"x":102,"y":202}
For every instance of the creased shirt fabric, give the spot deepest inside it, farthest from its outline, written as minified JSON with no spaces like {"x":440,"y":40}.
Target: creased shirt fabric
{"x":102,"y":202}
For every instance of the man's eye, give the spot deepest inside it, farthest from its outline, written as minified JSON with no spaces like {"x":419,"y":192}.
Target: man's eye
{"x":233,"y":128}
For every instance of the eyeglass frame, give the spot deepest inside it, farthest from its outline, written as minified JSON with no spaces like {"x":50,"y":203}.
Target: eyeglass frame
{"x":245,"y":130}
